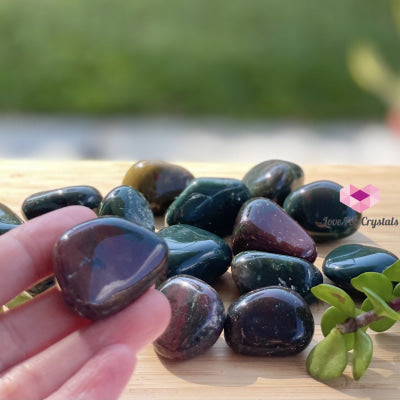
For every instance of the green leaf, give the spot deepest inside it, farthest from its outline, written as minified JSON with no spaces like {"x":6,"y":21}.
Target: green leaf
{"x":396,"y":291}
{"x":20,"y":299}
{"x":376,"y":282}
{"x":331,"y":317}
{"x":362,"y":354}
{"x":393,"y":272}
{"x":382,"y":324}
{"x":381,"y":308}
{"x":328,"y":359}
{"x":335,"y":297}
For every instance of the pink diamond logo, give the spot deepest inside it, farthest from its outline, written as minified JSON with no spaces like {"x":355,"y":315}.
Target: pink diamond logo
{"x":360,"y":199}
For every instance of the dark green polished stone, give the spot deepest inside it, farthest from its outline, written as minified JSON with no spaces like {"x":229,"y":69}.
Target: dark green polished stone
{"x":50,"y":200}
{"x":160,"y":182}
{"x":350,"y":260}
{"x":255,"y":269}
{"x":273,"y":321}
{"x":126,"y":202}
{"x":104,"y":264}
{"x":262,"y":225}
{"x":274,"y":179}
{"x":8,"y":219}
{"x":209,"y":203}
{"x":197,"y":318}
{"x":196,"y":252}
{"x":317,"y":208}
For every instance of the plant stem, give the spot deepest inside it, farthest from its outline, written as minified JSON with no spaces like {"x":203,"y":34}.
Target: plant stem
{"x":352,"y":324}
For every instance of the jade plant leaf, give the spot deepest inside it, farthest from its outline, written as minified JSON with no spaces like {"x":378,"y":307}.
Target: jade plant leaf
{"x":376,"y":282}
{"x":362,"y":354}
{"x":396,"y":291}
{"x":331,"y":317}
{"x":335,"y":297}
{"x":393,"y":272}
{"x":380,"y":325}
{"x":380,"y":306}
{"x":328,"y":359}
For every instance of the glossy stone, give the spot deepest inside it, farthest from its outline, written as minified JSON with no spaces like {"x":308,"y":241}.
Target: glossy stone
{"x":8,"y":219}
{"x":160,"y":182}
{"x":126,"y":202}
{"x":350,"y":260}
{"x":274,"y":179}
{"x":263,"y":225}
{"x":317,"y":208}
{"x":197,"y":319}
{"x":104,"y":264}
{"x":255,"y":269}
{"x":50,"y":200}
{"x":196,"y":252}
{"x":272,"y":321}
{"x":209,"y":203}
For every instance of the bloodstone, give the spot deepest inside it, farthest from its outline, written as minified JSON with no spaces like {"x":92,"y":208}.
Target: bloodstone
{"x":350,"y":260}
{"x":159,"y":181}
{"x":263,"y":225}
{"x":272,"y":321}
{"x":255,"y":269}
{"x":8,"y":219}
{"x":50,"y":200}
{"x":197,"y":320}
{"x":274,"y":179}
{"x":104,"y":264}
{"x":196,"y":252}
{"x":317,"y":208}
{"x":209,"y":203}
{"x":128,"y":203}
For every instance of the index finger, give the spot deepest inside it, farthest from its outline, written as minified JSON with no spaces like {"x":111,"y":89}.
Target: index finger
{"x":26,"y":251}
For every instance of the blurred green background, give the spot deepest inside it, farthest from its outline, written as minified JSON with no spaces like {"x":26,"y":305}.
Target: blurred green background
{"x":247,"y":59}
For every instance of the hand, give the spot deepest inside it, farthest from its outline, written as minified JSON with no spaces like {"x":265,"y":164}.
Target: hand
{"x":46,"y":351}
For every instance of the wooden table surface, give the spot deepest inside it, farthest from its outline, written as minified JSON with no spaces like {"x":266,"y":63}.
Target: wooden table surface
{"x":220,"y":373}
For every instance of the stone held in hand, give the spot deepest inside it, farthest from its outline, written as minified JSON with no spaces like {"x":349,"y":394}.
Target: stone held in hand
{"x":160,"y":182}
{"x":196,"y":252}
{"x":197,"y":318}
{"x":104,"y":264}
{"x":43,"y":202}
{"x":274,"y":179}
{"x":209,"y":203}
{"x":317,"y":208}
{"x":256,"y":269}
{"x":262,"y":225}
{"x":272,"y":321}
{"x":126,"y":202}
{"x":8,"y":219}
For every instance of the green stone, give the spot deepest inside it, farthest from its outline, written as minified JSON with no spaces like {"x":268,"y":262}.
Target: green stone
{"x":160,"y":182}
{"x":274,"y":179}
{"x":317,"y":208}
{"x":8,"y":219}
{"x":256,"y":269}
{"x":209,"y":203}
{"x":128,"y":203}
{"x":350,"y":260}
{"x":196,"y":252}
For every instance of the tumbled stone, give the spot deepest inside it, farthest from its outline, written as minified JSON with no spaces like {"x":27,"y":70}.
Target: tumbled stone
{"x":8,"y":219}
{"x":274,"y":179}
{"x":196,"y":252}
{"x":209,"y":203}
{"x":350,"y":260}
{"x":317,"y":208}
{"x":262,"y":225}
{"x":126,"y":202}
{"x":50,"y":200}
{"x":256,"y":269}
{"x":160,"y":182}
{"x":197,"y":318}
{"x":272,"y":321}
{"x":104,"y":264}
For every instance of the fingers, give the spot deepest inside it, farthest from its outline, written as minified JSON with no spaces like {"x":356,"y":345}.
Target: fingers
{"x":32,"y":327}
{"x":26,"y":252}
{"x":135,"y":326}
{"x":103,"y":377}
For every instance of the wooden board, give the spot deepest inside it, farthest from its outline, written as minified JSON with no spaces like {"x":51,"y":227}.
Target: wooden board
{"x":221,"y":374}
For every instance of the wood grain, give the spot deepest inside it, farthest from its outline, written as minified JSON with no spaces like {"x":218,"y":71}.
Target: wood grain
{"x":221,"y":374}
